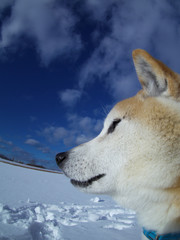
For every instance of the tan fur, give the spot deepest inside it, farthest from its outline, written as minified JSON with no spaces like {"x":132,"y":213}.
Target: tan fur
{"x":150,"y":112}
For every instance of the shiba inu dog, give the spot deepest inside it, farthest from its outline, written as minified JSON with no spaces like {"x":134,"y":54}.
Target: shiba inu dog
{"x":136,"y":157}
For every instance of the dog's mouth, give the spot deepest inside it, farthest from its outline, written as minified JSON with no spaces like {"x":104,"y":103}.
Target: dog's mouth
{"x":87,"y":183}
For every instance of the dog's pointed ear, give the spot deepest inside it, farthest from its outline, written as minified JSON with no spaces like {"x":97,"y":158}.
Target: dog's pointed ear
{"x":156,"y":78}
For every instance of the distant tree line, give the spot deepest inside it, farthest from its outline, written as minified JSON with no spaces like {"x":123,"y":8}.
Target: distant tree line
{"x":32,"y":163}
{"x":5,"y":157}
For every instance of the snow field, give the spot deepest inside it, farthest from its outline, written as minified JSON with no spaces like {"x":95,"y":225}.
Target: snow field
{"x":71,"y":215}
{"x":44,"y":221}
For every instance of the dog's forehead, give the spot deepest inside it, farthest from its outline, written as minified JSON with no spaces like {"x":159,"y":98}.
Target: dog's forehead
{"x":143,"y":109}
{"x":159,"y":114}
{"x":123,"y":109}
{"x":128,"y":107}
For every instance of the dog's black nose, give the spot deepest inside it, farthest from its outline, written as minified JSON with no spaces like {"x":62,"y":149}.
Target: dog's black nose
{"x":60,"y":157}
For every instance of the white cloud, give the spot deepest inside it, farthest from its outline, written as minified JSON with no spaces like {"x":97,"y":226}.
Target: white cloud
{"x":79,"y":129}
{"x":85,"y":122}
{"x":82,"y":129}
{"x":81,"y":139}
{"x":151,"y":25}
{"x":70,"y":96}
{"x":5,"y":3}
{"x":32,"y":142}
{"x":37,"y":145}
{"x":33,"y":118}
{"x":99,"y":8}
{"x":53,"y":134}
{"x":3,"y":141}
{"x":49,"y":24}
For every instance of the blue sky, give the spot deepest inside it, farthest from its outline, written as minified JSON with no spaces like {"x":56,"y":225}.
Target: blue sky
{"x":64,"y":64}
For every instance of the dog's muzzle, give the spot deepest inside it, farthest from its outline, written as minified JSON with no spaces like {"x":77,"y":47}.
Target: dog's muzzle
{"x":60,"y":158}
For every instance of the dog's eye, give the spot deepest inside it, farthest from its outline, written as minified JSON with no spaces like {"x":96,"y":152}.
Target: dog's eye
{"x":113,"y":125}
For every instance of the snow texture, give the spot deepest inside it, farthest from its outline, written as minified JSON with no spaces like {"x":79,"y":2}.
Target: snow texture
{"x":44,"y":206}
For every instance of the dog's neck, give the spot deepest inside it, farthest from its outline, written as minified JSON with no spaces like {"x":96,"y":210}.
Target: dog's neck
{"x":161,"y":218}
{"x":160,"y":215}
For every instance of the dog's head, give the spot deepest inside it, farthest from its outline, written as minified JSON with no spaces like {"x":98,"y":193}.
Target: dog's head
{"x":139,"y":144}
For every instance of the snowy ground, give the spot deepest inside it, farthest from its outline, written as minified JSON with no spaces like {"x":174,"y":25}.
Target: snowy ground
{"x":44,"y":206}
